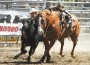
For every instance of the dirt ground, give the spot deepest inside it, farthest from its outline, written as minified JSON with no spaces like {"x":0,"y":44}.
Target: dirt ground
{"x":82,"y":52}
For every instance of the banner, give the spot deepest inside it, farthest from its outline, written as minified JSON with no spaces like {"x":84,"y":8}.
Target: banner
{"x":10,"y":29}
{"x":9,"y":39}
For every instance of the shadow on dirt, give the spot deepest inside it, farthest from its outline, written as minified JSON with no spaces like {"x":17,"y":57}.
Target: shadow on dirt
{"x":23,"y":62}
{"x":20,"y":62}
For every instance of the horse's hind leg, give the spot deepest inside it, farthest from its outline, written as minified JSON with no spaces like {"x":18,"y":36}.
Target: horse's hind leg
{"x":72,"y":52}
{"x":61,"y":50}
{"x":74,"y":45}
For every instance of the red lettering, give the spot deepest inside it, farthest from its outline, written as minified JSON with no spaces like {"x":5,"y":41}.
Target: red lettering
{"x":12,"y":29}
{"x":16,"y":29}
{"x":4,"y":28}
{"x":1,"y":27}
{"x":8,"y":28}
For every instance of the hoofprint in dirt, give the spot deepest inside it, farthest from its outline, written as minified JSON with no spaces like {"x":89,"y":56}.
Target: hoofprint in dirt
{"x":82,"y":52}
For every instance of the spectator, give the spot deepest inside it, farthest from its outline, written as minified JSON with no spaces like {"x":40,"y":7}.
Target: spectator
{"x":2,"y":20}
{"x":17,"y":19}
{"x":8,"y":18}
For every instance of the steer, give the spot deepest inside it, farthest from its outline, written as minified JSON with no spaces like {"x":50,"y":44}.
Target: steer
{"x":28,"y":37}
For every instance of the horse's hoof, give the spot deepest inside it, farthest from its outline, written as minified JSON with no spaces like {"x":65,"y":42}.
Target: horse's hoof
{"x":62,"y":55}
{"x":48,"y":59}
{"x":73,"y":56}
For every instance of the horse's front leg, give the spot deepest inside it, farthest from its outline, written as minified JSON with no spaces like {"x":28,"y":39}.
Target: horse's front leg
{"x":47,"y":48}
{"x":46,"y":43}
{"x":50,"y":46}
{"x":48,"y":58}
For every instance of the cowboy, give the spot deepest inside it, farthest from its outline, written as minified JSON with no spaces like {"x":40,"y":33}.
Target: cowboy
{"x":66,"y":14}
{"x":67,"y":17}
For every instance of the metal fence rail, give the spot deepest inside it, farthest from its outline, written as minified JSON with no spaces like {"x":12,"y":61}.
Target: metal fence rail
{"x":77,"y":8}
{"x":42,"y":4}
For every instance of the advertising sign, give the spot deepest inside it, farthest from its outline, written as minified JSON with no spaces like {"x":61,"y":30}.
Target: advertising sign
{"x":10,"y":26}
{"x":10,"y":29}
{"x":10,"y":33}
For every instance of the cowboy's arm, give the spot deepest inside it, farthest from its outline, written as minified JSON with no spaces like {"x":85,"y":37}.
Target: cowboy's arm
{"x":67,"y":12}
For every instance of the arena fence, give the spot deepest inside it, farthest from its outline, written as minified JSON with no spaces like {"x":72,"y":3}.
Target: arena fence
{"x":80,"y":9}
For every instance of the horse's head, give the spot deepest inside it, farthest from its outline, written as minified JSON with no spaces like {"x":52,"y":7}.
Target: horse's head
{"x":41,"y":23}
{"x":47,"y":21}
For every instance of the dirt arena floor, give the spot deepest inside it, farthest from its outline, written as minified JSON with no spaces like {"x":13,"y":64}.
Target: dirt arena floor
{"x":82,"y":52}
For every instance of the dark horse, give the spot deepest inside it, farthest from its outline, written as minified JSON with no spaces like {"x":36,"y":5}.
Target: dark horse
{"x":28,"y":38}
{"x":50,"y":28}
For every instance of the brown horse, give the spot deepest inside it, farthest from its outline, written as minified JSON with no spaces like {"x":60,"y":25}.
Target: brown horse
{"x":67,"y":33}
{"x":72,"y":32}
{"x":50,"y":28}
